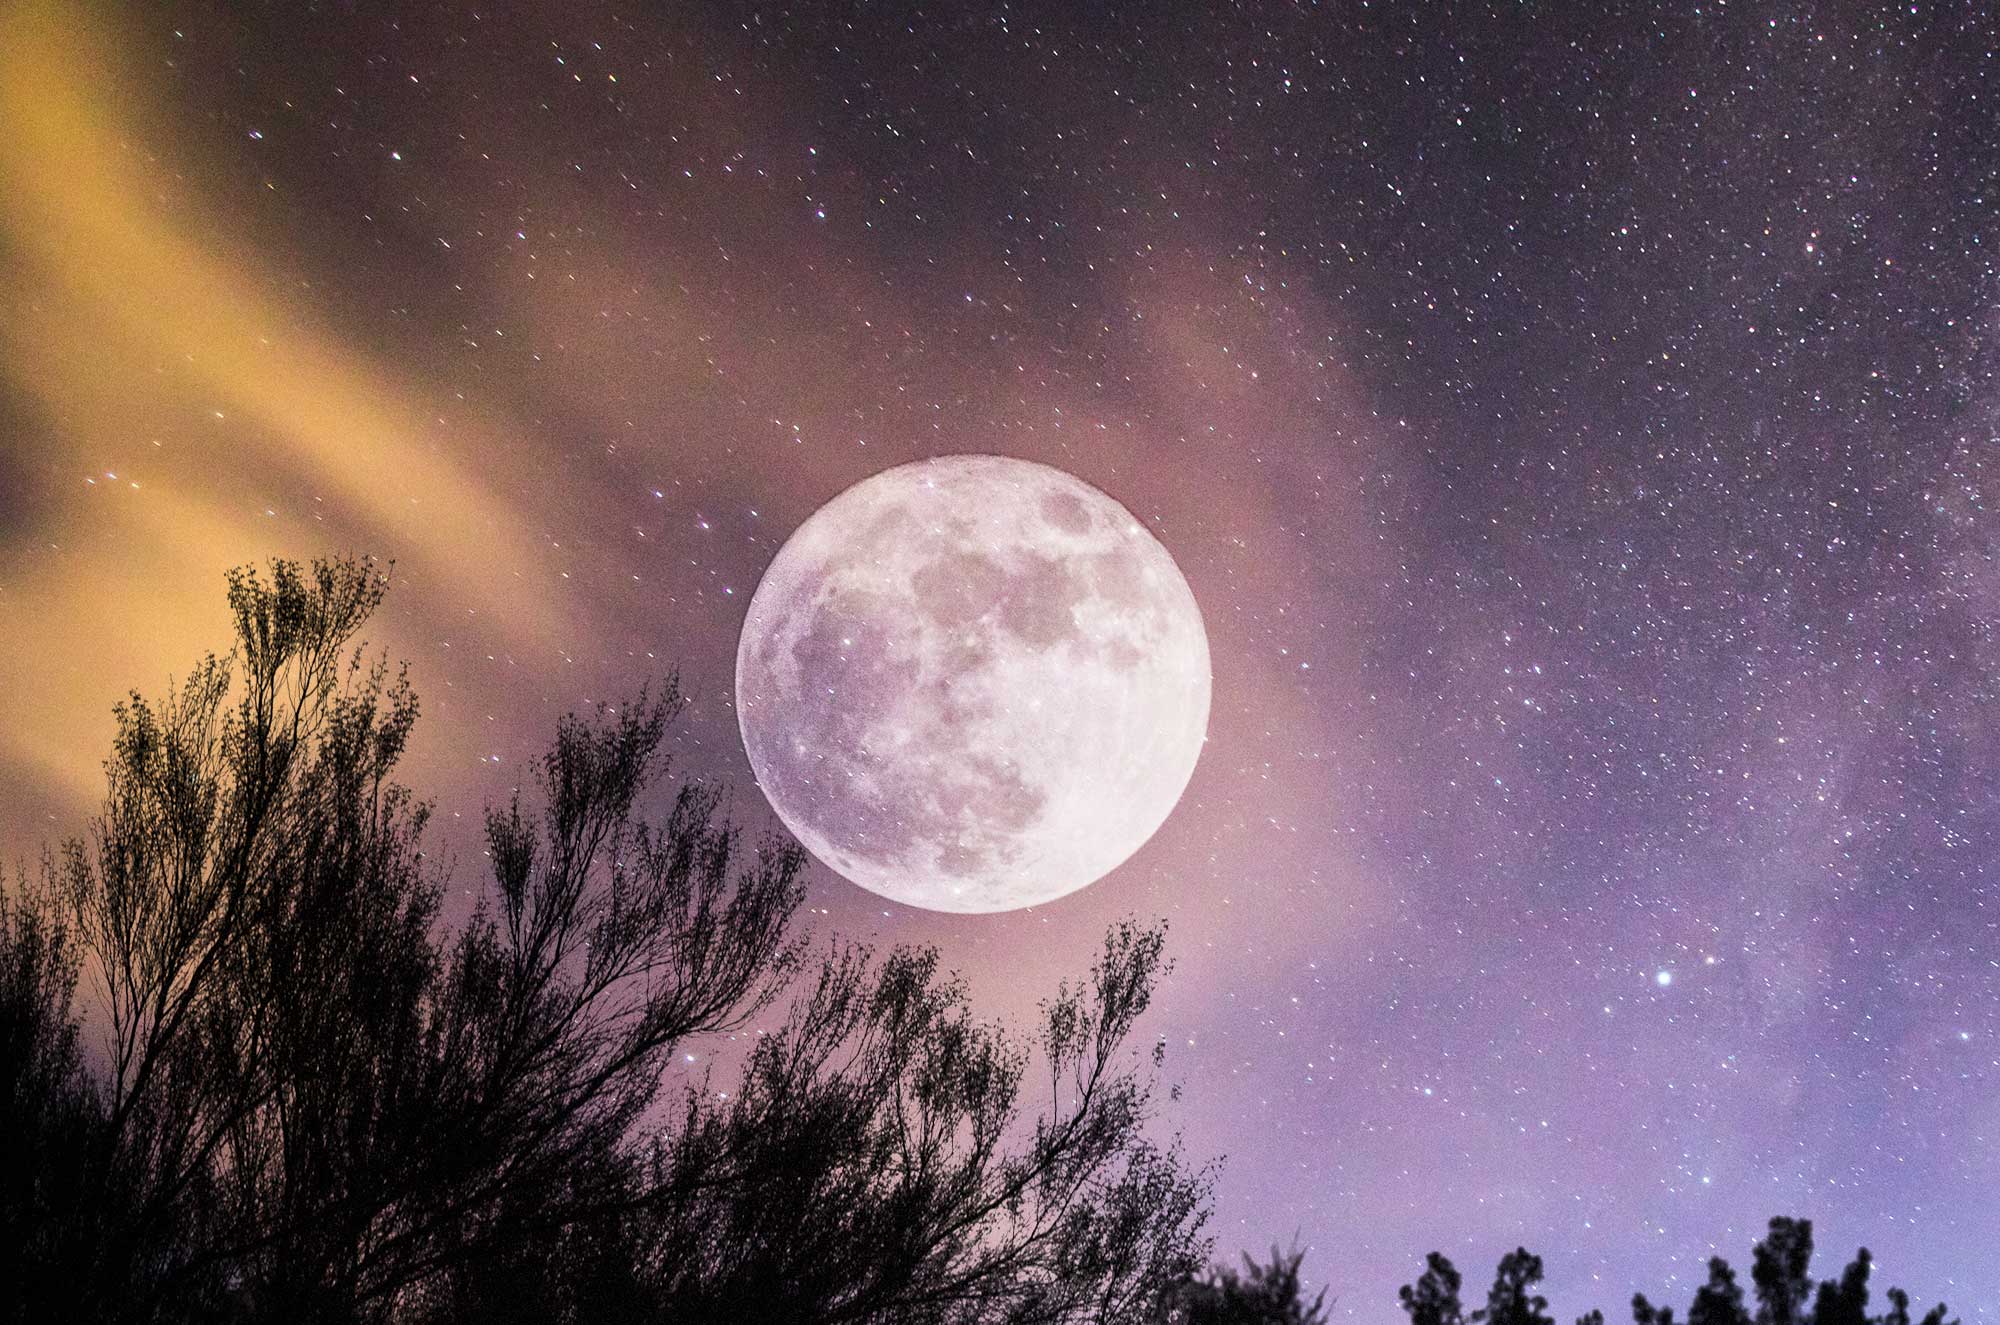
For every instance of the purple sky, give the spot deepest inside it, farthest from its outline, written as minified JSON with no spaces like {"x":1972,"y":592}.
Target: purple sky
{"x":1578,"y":429}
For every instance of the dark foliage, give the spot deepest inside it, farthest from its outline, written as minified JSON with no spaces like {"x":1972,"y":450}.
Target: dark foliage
{"x":863,"y":1170}
{"x":1433,"y":1300}
{"x":1780,"y":1273}
{"x":317,"y":1102}
{"x":1780,"y":1270}
{"x":1271,"y":1293}
{"x":48,"y":1111}
{"x":1720,"y":1300}
{"x":1510,"y":1301}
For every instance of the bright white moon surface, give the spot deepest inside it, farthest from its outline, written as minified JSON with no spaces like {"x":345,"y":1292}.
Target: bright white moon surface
{"x":973,"y":684}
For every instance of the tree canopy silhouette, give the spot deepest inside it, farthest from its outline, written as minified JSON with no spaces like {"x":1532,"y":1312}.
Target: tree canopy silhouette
{"x":1433,"y":1300}
{"x":317,"y":1100}
{"x":1267,"y":1293}
{"x":1274,"y":1293}
{"x":1780,"y":1273}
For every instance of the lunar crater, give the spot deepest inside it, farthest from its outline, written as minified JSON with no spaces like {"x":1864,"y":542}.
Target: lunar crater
{"x":972,"y":684}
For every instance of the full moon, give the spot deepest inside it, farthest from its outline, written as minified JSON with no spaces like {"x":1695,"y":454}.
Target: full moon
{"x":973,"y":684}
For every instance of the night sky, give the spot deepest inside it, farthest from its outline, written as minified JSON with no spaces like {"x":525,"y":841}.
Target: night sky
{"x":1581,"y":431}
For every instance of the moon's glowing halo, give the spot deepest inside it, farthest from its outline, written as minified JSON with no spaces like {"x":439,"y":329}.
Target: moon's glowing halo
{"x":972,"y":684}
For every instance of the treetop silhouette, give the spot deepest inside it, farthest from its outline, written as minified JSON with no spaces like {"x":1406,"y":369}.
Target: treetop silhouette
{"x":1780,"y":1273}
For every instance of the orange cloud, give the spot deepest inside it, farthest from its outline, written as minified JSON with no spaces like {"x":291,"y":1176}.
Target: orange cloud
{"x":139,"y":339}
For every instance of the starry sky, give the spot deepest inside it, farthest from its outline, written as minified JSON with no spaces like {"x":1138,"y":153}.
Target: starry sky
{"x":1577,"y":424}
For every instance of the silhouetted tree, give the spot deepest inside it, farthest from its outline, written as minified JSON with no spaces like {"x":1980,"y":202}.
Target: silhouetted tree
{"x":1782,"y":1264}
{"x":1645,"y":1313}
{"x":317,"y":1102}
{"x":864,"y":1170}
{"x":1270,"y":1293}
{"x":48,"y":1111}
{"x":311,"y":1103}
{"x":1434,"y":1298}
{"x":1720,"y":1300}
{"x":1509,"y":1301}
{"x":253,"y":903}
{"x":1779,"y":1270}
{"x":1899,"y":1311}
{"x":1845,"y":1301}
